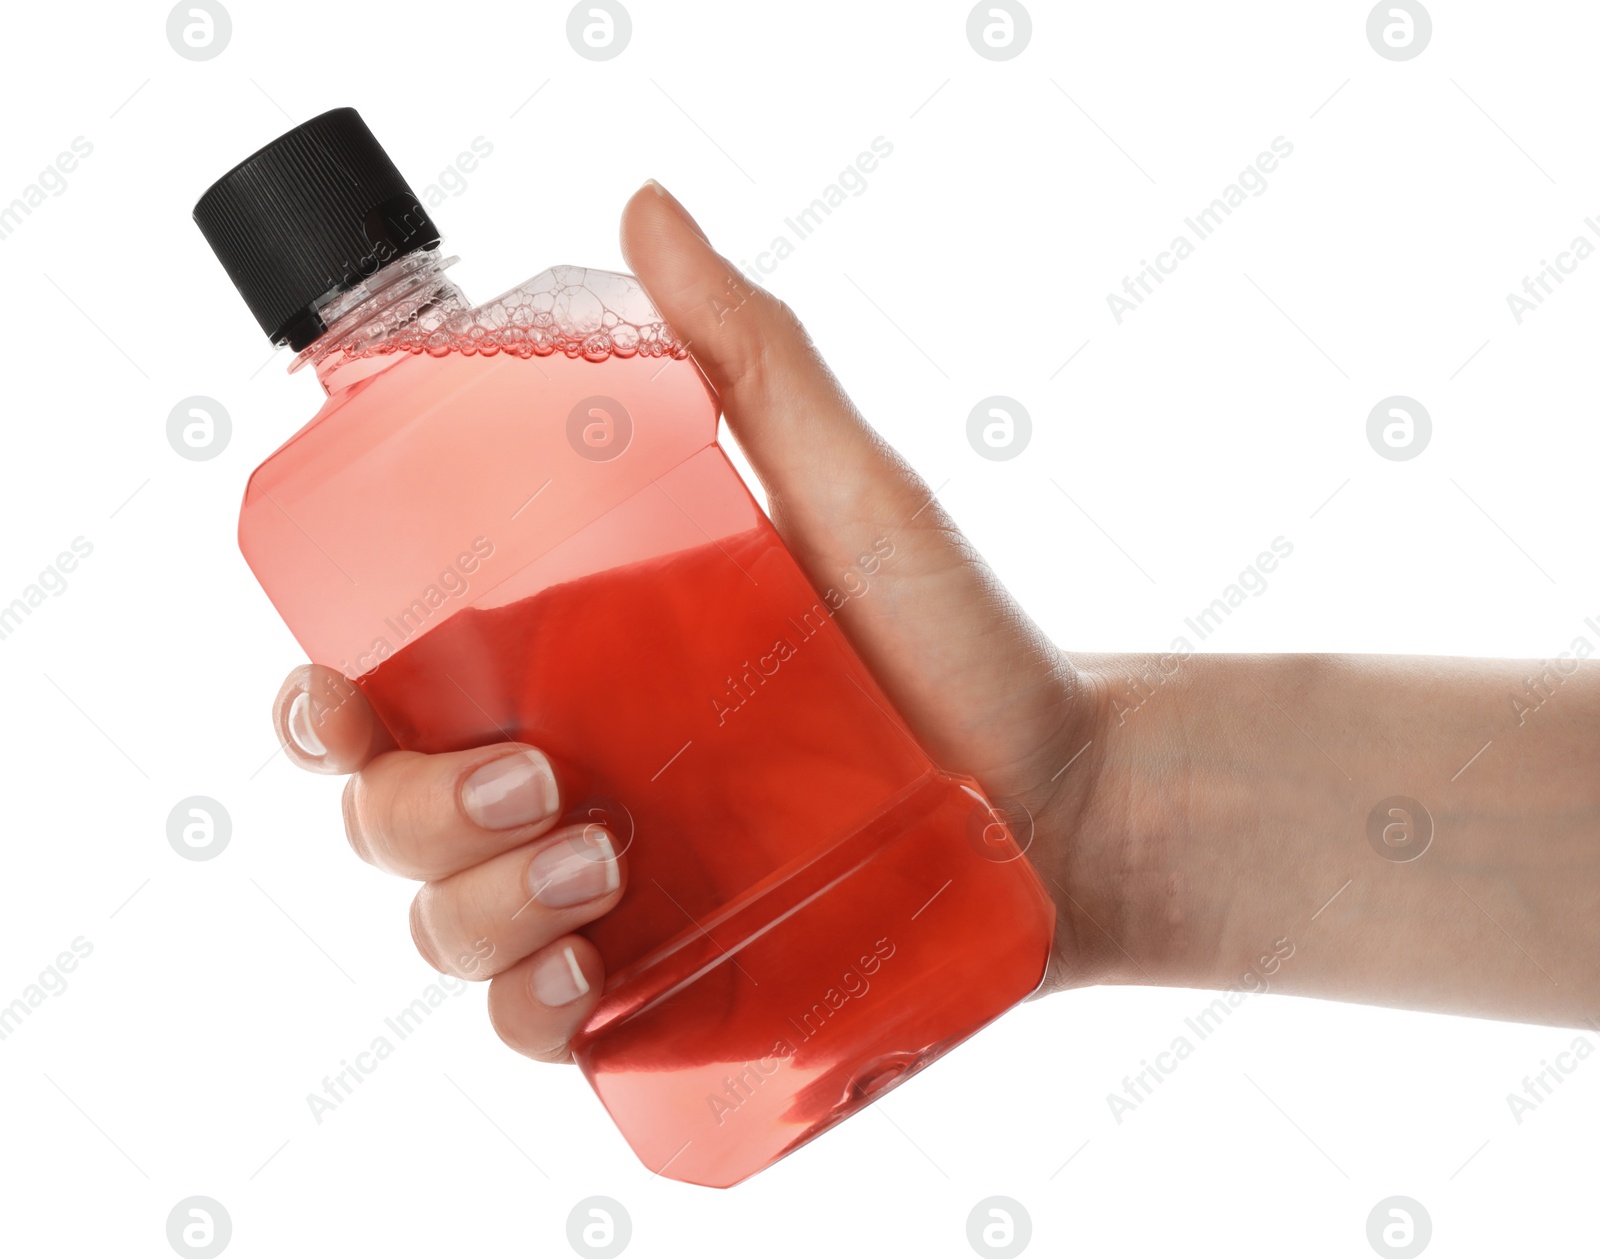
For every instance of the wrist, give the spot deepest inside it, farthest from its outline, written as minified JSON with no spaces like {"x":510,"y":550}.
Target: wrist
{"x":1223,"y":824}
{"x":1082,"y":830}
{"x":1156,"y":827}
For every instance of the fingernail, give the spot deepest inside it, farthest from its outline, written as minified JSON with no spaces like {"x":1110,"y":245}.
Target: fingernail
{"x":302,"y":727}
{"x":575,"y":869}
{"x":558,"y":979}
{"x":677,"y":208}
{"x":511,"y":791}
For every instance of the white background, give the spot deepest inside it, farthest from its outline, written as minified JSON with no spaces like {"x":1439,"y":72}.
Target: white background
{"x":1018,"y":195}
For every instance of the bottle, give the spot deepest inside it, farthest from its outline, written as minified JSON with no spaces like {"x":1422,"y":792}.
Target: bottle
{"x":512,"y":521}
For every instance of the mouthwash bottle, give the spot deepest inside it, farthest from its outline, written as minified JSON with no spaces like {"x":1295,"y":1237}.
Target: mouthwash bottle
{"x":512,"y":521}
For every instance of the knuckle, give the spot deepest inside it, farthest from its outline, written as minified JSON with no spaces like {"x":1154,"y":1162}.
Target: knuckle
{"x":751,"y":369}
{"x":785,"y":314}
{"x":421,"y":934}
{"x":480,"y":960}
{"x":509,"y":1006}
{"x":477,"y":952}
{"x":350,"y":808}
{"x":386,"y":818}
{"x":781,"y":318}
{"x":404,"y":823}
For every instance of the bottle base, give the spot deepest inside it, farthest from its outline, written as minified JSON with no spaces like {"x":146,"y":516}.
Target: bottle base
{"x":760,"y":1028}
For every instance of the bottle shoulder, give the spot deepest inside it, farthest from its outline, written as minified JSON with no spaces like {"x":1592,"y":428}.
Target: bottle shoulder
{"x":573,"y":372}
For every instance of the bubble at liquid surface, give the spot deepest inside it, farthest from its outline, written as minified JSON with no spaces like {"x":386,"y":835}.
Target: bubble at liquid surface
{"x":576,"y":311}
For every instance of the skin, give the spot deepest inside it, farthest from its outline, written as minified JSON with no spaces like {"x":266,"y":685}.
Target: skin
{"x":1210,"y":828}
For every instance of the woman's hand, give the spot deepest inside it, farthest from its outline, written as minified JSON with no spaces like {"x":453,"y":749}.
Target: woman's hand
{"x":1202,"y":821}
{"x":984,"y":690}
{"x":503,"y":889}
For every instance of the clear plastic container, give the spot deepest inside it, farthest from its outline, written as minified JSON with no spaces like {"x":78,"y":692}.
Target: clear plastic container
{"x":514,"y":521}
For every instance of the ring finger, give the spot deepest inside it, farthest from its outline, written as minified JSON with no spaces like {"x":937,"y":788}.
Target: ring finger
{"x":485,"y":919}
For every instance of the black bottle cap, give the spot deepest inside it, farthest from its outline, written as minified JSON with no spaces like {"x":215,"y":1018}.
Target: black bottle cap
{"x":310,"y":215}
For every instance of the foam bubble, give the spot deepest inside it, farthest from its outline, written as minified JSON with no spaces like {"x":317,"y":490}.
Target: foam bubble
{"x":576,"y":311}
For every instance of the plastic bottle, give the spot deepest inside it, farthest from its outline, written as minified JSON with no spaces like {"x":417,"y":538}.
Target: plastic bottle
{"x":513,"y":521}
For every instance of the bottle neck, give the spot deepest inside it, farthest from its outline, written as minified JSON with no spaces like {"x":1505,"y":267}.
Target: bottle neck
{"x":397,"y":305}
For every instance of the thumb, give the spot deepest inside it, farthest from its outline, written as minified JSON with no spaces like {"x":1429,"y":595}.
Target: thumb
{"x":975,"y":678}
{"x":830,"y":480}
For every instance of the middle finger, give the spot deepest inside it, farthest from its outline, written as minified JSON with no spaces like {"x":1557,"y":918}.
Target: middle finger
{"x":477,"y":923}
{"x":427,"y":817}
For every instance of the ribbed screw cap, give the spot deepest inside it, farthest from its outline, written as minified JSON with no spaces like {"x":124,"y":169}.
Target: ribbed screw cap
{"x":310,"y":215}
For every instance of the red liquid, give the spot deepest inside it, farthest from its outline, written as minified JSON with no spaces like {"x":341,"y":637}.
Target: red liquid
{"x":813,"y":909}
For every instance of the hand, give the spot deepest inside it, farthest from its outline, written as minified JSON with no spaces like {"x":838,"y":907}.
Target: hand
{"x":980,"y":685}
{"x":1198,"y":818}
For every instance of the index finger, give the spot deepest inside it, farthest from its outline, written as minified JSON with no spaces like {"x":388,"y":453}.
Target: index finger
{"x":324,"y":722}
